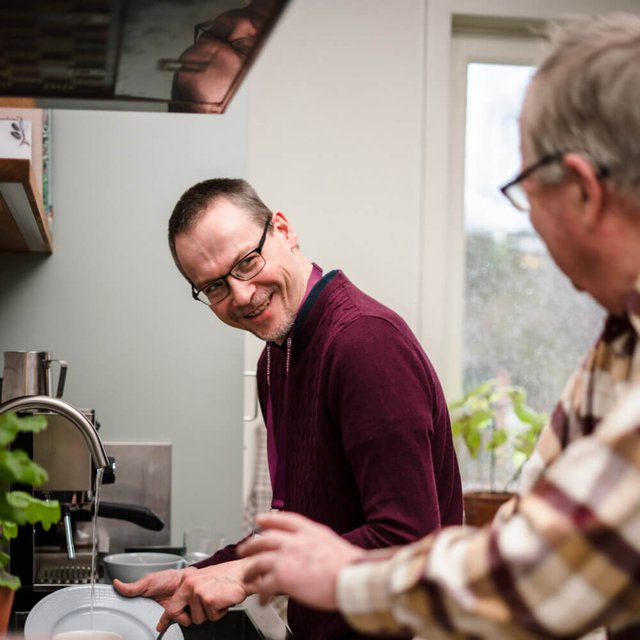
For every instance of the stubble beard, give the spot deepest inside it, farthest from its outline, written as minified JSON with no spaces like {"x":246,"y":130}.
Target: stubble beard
{"x":277,"y":334}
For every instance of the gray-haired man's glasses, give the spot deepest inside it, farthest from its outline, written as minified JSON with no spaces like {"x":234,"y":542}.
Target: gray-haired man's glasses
{"x":514,"y":191}
{"x":246,"y":268}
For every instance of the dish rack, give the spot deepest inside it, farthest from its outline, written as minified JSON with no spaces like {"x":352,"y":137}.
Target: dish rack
{"x":56,"y":569}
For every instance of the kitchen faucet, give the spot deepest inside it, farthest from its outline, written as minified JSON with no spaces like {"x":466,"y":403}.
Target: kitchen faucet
{"x":55,"y":405}
{"x":89,"y":433}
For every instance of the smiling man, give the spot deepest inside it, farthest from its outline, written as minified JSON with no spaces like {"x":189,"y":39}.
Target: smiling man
{"x":358,"y":431}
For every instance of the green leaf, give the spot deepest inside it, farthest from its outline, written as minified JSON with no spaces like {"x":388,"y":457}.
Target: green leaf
{"x":9,"y":529}
{"x":481,"y":410}
{"x":11,"y":424}
{"x":19,"y":507}
{"x":498,"y":438}
{"x":16,"y":466}
{"x":9,"y":580}
{"x":481,"y":420}
{"x":473,"y":441}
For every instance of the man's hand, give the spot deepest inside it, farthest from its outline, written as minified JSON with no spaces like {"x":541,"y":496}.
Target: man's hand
{"x":298,"y":557}
{"x":191,"y":595}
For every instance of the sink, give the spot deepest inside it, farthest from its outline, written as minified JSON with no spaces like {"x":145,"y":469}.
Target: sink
{"x":249,"y":621}
{"x":235,"y":625}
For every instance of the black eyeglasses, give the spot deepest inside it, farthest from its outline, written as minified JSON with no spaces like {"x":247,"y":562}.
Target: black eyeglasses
{"x":211,"y":30}
{"x":202,"y":29}
{"x":515,"y":193}
{"x":246,"y":268}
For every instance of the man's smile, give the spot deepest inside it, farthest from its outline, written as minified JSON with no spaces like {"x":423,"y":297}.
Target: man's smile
{"x":259,"y":309}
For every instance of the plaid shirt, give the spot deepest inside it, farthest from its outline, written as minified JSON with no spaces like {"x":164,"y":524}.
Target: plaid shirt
{"x":562,"y":558}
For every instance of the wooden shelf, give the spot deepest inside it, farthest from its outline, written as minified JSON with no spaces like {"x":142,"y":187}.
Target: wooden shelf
{"x":23,"y":223}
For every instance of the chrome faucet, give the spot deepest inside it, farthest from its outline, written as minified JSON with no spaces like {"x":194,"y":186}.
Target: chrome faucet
{"x":55,"y":405}
{"x":94,"y":444}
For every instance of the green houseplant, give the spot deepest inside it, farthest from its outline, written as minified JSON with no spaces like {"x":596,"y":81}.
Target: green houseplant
{"x":494,"y":418}
{"x":19,"y":507}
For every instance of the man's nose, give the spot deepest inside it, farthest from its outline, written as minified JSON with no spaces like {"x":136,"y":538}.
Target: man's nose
{"x":241,"y":290}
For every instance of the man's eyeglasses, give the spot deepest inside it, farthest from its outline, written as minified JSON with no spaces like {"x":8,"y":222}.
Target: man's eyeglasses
{"x":212,"y":30}
{"x":514,"y":191}
{"x":246,"y":268}
{"x":203,"y":29}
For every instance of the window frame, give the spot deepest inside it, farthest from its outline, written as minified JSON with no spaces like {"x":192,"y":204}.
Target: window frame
{"x":466,"y":49}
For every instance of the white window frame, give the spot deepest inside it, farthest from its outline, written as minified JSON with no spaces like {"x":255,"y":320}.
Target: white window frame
{"x":464,"y":51}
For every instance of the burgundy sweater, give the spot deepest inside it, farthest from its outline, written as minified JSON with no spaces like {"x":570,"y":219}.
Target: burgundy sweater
{"x":368,"y":444}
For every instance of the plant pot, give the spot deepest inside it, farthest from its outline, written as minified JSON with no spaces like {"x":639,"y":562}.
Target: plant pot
{"x":6,"y":602}
{"x":481,"y":506}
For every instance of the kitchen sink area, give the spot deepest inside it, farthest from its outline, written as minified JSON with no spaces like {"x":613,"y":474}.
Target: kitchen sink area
{"x":248,"y":622}
{"x":236,"y":624}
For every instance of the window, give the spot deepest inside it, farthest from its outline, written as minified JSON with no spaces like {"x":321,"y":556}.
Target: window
{"x":523,"y":321}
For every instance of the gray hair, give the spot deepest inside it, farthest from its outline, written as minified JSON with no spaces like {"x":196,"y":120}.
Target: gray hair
{"x":198,"y":199}
{"x":585,"y":97}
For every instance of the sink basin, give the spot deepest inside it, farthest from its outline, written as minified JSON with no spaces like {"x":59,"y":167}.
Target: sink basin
{"x":235,"y":625}
{"x":246,"y":622}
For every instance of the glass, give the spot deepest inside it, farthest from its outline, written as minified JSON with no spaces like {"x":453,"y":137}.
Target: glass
{"x":201,"y":542}
{"x":202,"y":30}
{"x":515,"y":193}
{"x":246,"y":268}
{"x":208,"y":30}
{"x":513,"y":190}
{"x":523,"y":321}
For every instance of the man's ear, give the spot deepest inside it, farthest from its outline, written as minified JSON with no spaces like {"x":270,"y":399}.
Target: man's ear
{"x":592,"y":192}
{"x":281,"y":225}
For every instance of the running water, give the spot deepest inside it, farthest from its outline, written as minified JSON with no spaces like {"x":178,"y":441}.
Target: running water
{"x":94,"y":540}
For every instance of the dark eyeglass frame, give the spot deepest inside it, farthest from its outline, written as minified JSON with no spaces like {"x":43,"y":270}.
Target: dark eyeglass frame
{"x":202,"y":29}
{"x":196,"y":293}
{"x":243,"y":46}
{"x":507,"y":189}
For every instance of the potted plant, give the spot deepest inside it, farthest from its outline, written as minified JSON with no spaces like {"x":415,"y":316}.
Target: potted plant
{"x":494,"y":418}
{"x":18,"y":507}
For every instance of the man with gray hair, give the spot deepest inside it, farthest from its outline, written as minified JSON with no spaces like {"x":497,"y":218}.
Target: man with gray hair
{"x":562,"y":559}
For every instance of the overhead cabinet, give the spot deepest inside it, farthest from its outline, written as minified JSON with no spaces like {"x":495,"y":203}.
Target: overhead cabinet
{"x":25,"y":215}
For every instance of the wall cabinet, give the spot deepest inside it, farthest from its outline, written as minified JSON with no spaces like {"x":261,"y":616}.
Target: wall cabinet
{"x":25,"y":216}
{"x":23,"y":225}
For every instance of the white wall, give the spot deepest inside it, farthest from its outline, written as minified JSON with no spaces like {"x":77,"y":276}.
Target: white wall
{"x":335,"y":114}
{"x":155,"y":365}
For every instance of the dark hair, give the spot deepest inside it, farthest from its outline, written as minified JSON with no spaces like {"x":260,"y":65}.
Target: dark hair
{"x":195,"y":201}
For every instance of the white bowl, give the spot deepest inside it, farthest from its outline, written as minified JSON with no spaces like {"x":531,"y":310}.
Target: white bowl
{"x":129,"y":567}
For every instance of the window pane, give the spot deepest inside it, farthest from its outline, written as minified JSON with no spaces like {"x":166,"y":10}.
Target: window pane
{"x":523,"y":319}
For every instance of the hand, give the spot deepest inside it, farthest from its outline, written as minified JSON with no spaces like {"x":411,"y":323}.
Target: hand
{"x":298,"y":557}
{"x":191,"y":596}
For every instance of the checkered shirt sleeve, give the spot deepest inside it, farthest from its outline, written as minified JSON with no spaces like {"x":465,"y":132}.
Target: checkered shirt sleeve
{"x":561,"y":559}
